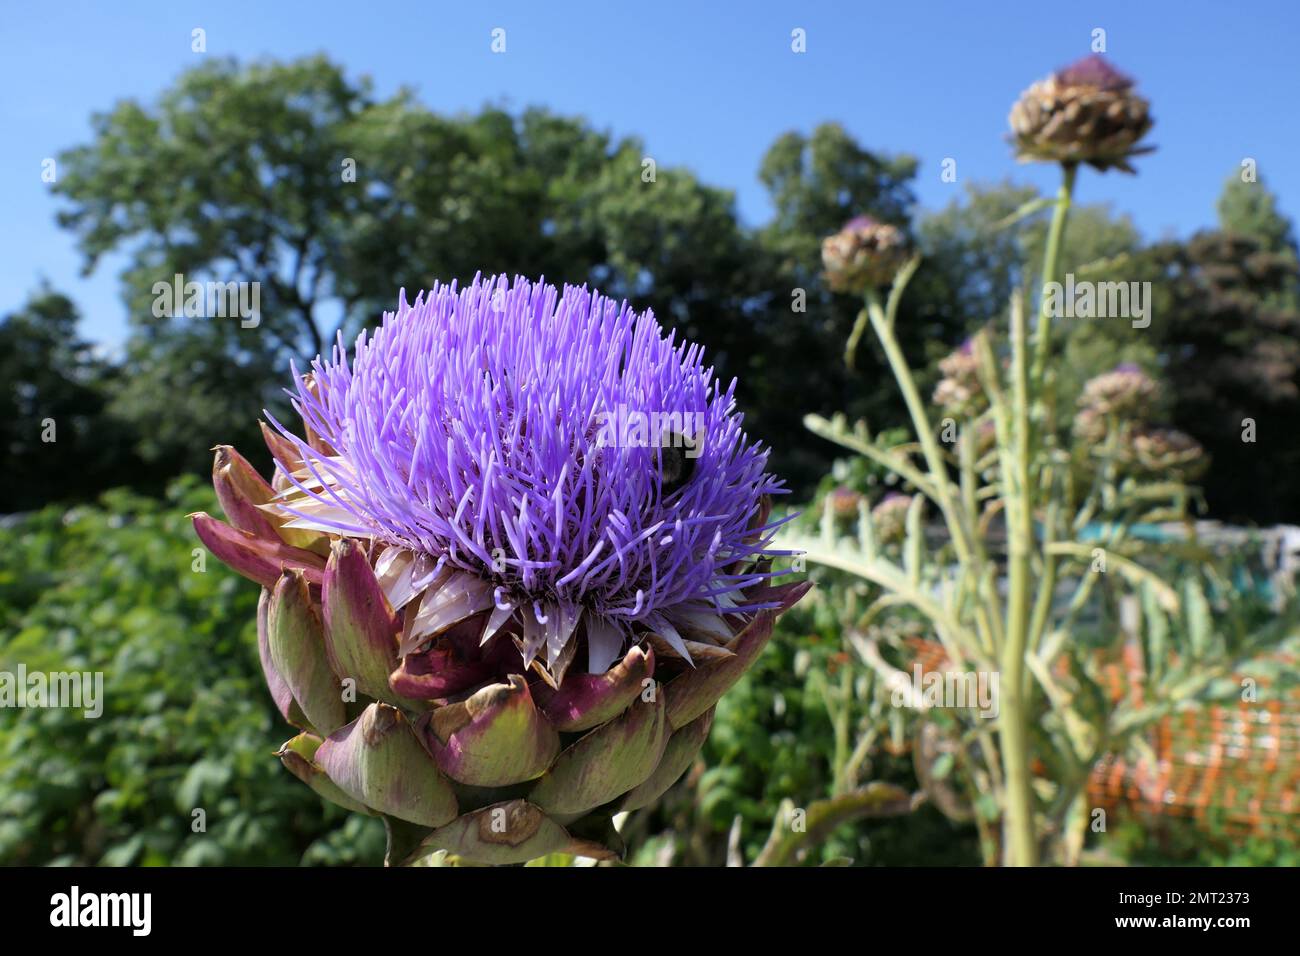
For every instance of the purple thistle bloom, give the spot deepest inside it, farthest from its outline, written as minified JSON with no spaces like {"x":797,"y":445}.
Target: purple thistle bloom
{"x":1095,"y":71}
{"x":858,"y":223}
{"x":555,"y":451}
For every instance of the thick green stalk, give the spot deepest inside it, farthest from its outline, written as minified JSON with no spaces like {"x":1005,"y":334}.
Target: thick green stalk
{"x":840,"y":719}
{"x":851,"y":347}
{"x":1013,"y":708}
{"x":1046,"y":585}
{"x":872,"y":801}
{"x":953,"y":516}
{"x":1051,"y":258}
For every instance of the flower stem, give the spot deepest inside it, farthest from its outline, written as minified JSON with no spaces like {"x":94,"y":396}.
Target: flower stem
{"x":1051,"y":257}
{"x":1014,"y":711}
{"x":953,"y":517}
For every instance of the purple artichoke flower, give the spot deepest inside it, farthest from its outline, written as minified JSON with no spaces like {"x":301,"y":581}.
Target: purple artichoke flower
{"x":502,"y":480}
{"x":509,"y":433}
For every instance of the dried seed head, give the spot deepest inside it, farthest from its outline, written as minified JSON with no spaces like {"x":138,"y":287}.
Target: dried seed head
{"x":959,"y":392}
{"x":865,"y":254}
{"x":1126,"y":391}
{"x":1084,"y":113}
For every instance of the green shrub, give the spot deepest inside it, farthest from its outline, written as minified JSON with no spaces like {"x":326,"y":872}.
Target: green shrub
{"x":187,"y":723}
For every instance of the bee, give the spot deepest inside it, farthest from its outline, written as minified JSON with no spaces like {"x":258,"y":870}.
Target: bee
{"x":676,"y":466}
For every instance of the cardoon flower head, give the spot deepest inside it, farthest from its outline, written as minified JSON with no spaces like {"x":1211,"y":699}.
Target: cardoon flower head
{"x":549,"y":452}
{"x":890,"y":516}
{"x":844,"y":502}
{"x":1084,"y":113}
{"x":864,"y":254}
{"x":1126,"y":391}
{"x":959,"y":391}
{"x":501,"y":480}
{"x":1167,"y":451}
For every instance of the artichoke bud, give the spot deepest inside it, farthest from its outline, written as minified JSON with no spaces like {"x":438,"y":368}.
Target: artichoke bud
{"x":863,"y":255}
{"x":297,"y":646}
{"x":1126,"y":391}
{"x":395,"y":547}
{"x":890,"y":517}
{"x":843,"y":502}
{"x":1085,"y":113}
{"x":959,"y":392}
{"x":377,"y":761}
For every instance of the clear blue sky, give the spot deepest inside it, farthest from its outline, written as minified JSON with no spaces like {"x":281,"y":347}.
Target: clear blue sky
{"x":706,"y":87}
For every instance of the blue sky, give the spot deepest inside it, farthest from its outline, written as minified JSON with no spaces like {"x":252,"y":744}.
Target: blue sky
{"x":708,"y":86}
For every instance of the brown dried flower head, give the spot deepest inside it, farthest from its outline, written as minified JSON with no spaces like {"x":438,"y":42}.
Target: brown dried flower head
{"x":865,"y":254}
{"x":1084,"y":113}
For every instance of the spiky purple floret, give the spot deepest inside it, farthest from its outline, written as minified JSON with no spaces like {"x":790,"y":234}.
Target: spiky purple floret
{"x":467,"y":427}
{"x":1094,"y":70}
{"x":859,"y":222}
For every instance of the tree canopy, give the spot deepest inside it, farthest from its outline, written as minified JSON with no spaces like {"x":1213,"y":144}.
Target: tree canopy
{"x":298,"y":178}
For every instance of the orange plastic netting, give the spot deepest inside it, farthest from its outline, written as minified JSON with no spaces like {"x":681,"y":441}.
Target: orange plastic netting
{"x":1232,"y":768}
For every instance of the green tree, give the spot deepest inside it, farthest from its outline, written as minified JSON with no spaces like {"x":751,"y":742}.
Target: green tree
{"x":795,"y":364}
{"x":246,"y":174}
{"x":59,"y":440}
{"x":1229,"y":342}
{"x":1250,"y":209}
{"x":976,"y":248}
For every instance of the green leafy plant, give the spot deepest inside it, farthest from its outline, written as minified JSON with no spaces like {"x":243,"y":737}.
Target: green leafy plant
{"x":1036,"y":528}
{"x":115,"y":589}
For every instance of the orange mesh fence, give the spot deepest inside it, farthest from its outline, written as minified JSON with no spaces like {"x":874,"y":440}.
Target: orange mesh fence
{"x":1234,"y":767}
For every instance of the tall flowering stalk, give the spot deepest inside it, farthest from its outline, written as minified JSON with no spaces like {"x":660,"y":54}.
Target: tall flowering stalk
{"x":1020,"y":512}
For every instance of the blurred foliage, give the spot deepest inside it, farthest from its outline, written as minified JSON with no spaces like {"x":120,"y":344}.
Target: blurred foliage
{"x":1249,"y":208}
{"x":773,"y":739}
{"x":1229,"y":338}
{"x":187,"y":722}
{"x":1180,"y":843}
{"x":59,"y":439}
